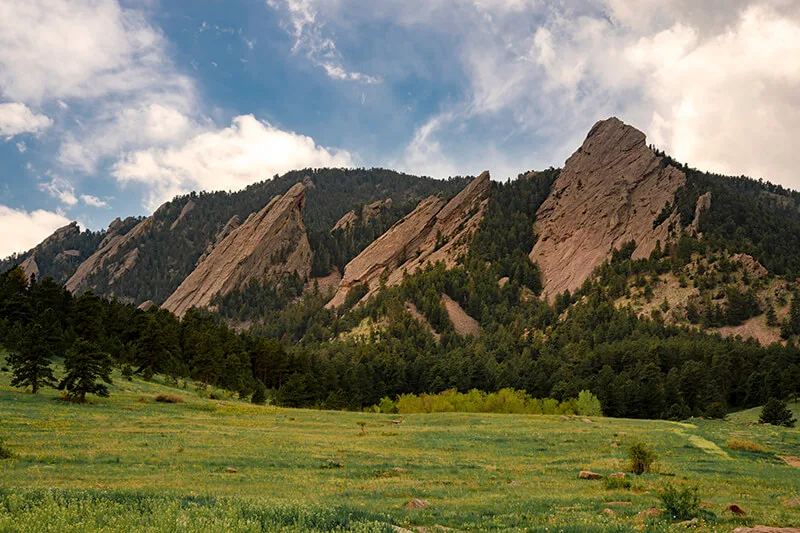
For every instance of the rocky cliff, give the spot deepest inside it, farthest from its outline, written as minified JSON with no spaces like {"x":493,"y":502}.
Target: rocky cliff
{"x":351,"y":218}
{"x":116,"y":254}
{"x":611,"y":191}
{"x":435,"y":231}
{"x":267,"y":245}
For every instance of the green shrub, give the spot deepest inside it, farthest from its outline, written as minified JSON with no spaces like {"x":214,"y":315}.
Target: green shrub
{"x":5,"y":452}
{"x":744,"y":444}
{"x":716,"y":411}
{"x":260,"y":394}
{"x":588,"y":404}
{"x":683,"y":504}
{"x":777,"y":413}
{"x":641,"y":458}
{"x":616,"y":483}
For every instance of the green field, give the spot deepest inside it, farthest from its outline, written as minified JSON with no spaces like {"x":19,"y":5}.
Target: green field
{"x":128,"y":463}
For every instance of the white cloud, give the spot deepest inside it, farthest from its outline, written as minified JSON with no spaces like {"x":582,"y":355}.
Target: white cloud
{"x":247,"y":151}
{"x":310,"y":37}
{"x":93,"y":201}
{"x":61,"y":189}
{"x":29,"y":228}
{"x":22,"y":147}
{"x":17,"y":118}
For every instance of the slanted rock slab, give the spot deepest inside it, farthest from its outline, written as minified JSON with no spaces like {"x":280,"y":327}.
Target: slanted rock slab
{"x":416,"y":503}
{"x":586,"y":474}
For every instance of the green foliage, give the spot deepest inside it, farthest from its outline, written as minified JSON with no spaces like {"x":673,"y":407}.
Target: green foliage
{"x":683,"y":503}
{"x":260,"y":394}
{"x":85,"y":364}
{"x":506,"y":401}
{"x":30,"y":361}
{"x":641,"y":458}
{"x":616,"y":483}
{"x":776,"y":413}
{"x":5,"y":451}
{"x":587,"y":404}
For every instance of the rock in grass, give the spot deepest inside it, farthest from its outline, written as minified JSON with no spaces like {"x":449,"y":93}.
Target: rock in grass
{"x":231,"y":470}
{"x":792,"y":503}
{"x":689,"y":523}
{"x":609,"y":512}
{"x":586,"y":474}
{"x":735,"y":509}
{"x":620,"y":475}
{"x":416,"y":503}
{"x":652,"y":511}
{"x":330,"y":463}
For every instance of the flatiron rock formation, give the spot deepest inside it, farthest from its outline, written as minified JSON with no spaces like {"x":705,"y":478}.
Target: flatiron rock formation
{"x":268,"y":245}
{"x":611,"y":191}
{"x":435,"y":231}
{"x":350,"y":219}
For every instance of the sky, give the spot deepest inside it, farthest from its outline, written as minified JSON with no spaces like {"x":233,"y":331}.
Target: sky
{"x":110,"y":108}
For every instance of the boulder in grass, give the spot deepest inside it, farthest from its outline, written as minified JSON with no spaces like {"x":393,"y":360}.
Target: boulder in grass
{"x":620,"y":475}
{"x":416,"y":503}
{"x":792,"y":503}
{"x":586,"y":474}
{"x":231,"y":470}
{"x":652,"y":511}
{"x":609,"y":512}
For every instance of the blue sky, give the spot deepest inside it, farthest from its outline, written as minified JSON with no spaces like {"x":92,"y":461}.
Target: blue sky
{"x":109,"y":108}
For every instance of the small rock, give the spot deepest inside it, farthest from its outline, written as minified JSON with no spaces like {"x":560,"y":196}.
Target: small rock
{"x":516,"y":483}
{"x":792,"y":503}
{"x":735,"y":509}
{"x":620,"y":475}
{"x":231,"y":470}
{"x":609,"y":512}
{"x":706,"y":505}
{"x":564,"y":417}
{"x":587,"y":420}
{"x":688,"y":523}
{"x":652,"y":511}
{"x":399,"y":470}
{"x":416,"y":503}
{"x":614,"y":445}
{"x":99,"y":485}
{"x":586,"y":474}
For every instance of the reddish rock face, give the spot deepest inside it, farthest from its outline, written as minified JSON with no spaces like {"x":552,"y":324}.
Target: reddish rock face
{"x":269,"y":244}
{"x":611,"y":191}
{"x":435,"y":231}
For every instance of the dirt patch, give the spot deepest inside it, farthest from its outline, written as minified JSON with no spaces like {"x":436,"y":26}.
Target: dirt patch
{"x":464,"y":324}
{"x":791,"y":460}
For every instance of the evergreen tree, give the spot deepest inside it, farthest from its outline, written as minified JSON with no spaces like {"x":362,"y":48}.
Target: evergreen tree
{"x":777,"y":413}
{"x":260,"y":395}
{"x":85,"y":364}
{"x":30,"y":362}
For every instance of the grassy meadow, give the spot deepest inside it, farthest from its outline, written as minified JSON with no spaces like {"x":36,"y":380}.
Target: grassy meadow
{"x":128,"y":463}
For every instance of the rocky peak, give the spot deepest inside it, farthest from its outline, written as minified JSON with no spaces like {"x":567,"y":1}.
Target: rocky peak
{"x":435,"y":231}
{"x":60,"y":235}
{"x":611,"y":191}
{"x":187,"y":208}
{"x":370,"y":211}
{"x":268,"y":245}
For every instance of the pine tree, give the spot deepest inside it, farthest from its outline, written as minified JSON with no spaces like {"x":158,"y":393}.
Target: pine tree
{"x":30,"y":362}
{"x":776,"y":412}
{"x":260,"y":395}
{"x":85,"y":364}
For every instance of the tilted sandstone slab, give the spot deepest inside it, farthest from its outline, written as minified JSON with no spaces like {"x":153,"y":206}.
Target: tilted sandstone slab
{"x":435,"y":231}
{"x":611,"y":191}
{"x":350,"y":219}
{"x":111,"y":255}
{"x":269,"y":244}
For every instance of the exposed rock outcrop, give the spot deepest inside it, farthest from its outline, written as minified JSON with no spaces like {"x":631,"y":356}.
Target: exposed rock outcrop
{"x":268,"y":245}
{"x":187,"y":208}
{"x":111,"y":255}
{"x":435,"y":231}
{"x":703,"y":205}
{"x":350,"y":219}
{"x":462,"y":322}
{"x":30,"y":267}
{"x":749,"y":264}
{"x":146,"y":306}
{"x":611,"y":191}
{"x":60,"y":235}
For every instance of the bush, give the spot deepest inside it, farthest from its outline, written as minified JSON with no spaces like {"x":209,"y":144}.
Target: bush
{"x":587,"y":404}
{"x":683,"y":504}
{"x":776,"y":413}
{"x":716,"y":411}
{"x":616,"y":483}
{"x":260,"y":395}
{"x":744,"y":444}
{"x":5,"y":452}
{"x":641,"y":457}
{"x":169,"y":398}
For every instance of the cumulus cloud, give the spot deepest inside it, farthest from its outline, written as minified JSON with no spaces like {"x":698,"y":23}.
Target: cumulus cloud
{"x":247,"y":151}
{"x":93,"y":201}
{"x":17,"y":118}
{"x":30,"y":228}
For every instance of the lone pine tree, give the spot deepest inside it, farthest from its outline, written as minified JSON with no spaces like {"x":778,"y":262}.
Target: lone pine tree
{"x":30,"y":362}
{"x":85,"y":364}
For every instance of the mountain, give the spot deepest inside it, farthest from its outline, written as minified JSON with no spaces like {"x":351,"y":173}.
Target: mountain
{"x":610,"y":192}
{"x":267,"y":246}
{"x":666,"y":291}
